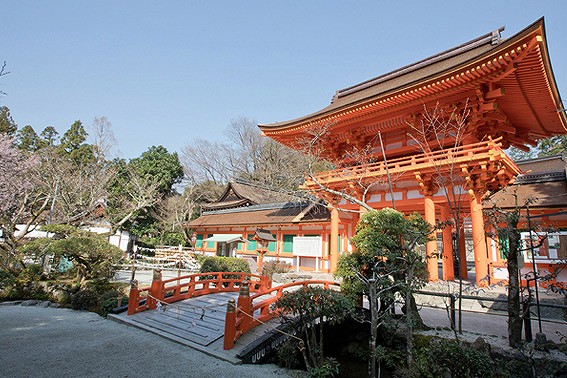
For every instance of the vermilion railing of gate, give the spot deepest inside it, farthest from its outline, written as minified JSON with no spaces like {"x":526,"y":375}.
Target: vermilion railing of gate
{"x":487,"y":153}
{"x":252,"y":310}
{"x":189,"y":286}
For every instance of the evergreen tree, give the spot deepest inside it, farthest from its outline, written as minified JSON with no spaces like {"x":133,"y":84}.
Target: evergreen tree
{"x":7,"y":124}
{"x":555,"y":145}
{"x":73,"y":144}
{"x":27,"y":139}
{"x":49,"y":136}
{"x":164,"y":168}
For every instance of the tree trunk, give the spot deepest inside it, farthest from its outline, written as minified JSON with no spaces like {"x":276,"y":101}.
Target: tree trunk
{"x":373,"y":328}
{"x":514,"y":309}
{"x":410,"y":302}
{"x":457,"y":259}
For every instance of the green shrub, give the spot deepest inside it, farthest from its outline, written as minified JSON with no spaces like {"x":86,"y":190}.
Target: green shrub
{"x":84,"y":299}
{"x":91,"y":254}
{"x":173,"y":238}
{"x":7,"y":280}
{"x":108,"y":301}
{"x":99,"y":296}
{"x":223,"y":264}
{"x":274,"y":266}
{"x":234,"y":264}
{"x":24,"y":285}
{"x":329,"y":368}
{"x":451,"y":358}
{"x":314,"y":305}
{"x":288,"y":356}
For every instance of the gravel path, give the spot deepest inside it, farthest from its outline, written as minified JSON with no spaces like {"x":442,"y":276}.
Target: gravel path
{"x":53,"y":342}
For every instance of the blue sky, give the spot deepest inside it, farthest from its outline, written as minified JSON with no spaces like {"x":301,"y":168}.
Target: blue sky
{"x":168,"y":72}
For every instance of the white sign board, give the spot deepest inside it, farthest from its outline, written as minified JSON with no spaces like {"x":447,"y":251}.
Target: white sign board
{"x":307,"y":246}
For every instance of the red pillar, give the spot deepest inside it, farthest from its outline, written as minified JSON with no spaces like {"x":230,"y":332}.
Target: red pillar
{"x":479,"y":240}
{"x":334,"y":242}
{"x":245,"y":306}
{"x":431,"y":246}
{"x":133,"y":299}
{"x":230,"y":325}
{"x":156,"y":289}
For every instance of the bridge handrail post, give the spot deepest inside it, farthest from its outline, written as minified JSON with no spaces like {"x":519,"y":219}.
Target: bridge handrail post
{"x":230,"y":325}
{"x":156,"y":289}
{"x":245,"y":305}
{"x":265,"y":283}
{"x":133,"y":299}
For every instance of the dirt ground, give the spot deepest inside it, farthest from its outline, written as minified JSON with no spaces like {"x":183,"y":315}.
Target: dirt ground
{"x":53,"y":342}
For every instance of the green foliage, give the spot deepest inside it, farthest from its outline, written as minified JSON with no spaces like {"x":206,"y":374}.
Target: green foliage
{"x":164,"y":168}
{"x":109,"y":301}
{"x":274,"y":266}
{"x":388,"y":260}
{"x":450,"y":358}
{"x":91,"y":254}
{"x":555,"y":145}
{"x":73,"y":144}
{"x":24,"y":285}
{"x":98,"y":296}
{"x":351,"y":285}
{"x":223,"y":264}
{"x":387,"y":246}
{"x":61,"y":231}
{"x":313,"y":307}
{"x":7,"y":124}
{"x":27,"y":139}
{"x":49,"y":136}
{"x":84,"y":299}
{"x":136,"y":191}
{"x":388,"y":232}
{"x":173,"y":238}
{"x":287,"y":355}
{"x":314,"y":302}
{"x":329,"y":368}
{"x":7,"y":280}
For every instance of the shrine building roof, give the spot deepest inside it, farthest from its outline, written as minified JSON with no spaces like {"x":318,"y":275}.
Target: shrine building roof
{"x":238,"y":194}
{"x":516,"y":71}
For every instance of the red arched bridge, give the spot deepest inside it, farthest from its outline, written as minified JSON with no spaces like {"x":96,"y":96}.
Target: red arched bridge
{"x":200,"y":309}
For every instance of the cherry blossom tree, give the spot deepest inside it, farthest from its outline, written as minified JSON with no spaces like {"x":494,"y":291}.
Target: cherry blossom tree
{"x":20,"y":200}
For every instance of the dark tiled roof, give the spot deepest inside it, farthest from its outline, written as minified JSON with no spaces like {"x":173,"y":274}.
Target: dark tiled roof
{"x":239,"y":194}
{"x":264,"y":235}
{"x":226,"y":204}
{"x":406,"y":75}
{"x":536,"y":70}
{"x":538,"y":194}
{"x":539,"y":177}
{"x":282,"y":213}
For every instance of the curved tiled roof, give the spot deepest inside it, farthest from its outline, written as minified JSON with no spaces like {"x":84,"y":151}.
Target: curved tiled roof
{"x":520,"y":65}
{"x":269,"y":214}
{"x":239,"y":194}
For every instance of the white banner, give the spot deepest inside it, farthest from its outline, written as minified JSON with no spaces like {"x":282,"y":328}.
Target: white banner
{"x":307,"y":246}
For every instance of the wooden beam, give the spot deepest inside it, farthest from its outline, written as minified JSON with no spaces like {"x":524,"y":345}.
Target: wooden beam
{"x":488,"y":107}
{"x":496,"y":93}
{"x":521,"y":147}
{"x":497,"y":116}
{"x":506,"y":128}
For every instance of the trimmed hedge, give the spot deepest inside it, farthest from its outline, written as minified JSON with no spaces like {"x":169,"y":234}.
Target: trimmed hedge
{"x":223,"y":264}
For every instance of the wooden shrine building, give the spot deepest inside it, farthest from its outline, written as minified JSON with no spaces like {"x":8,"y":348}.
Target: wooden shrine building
{"x":430,"y":137}
{"x":240,"y":222}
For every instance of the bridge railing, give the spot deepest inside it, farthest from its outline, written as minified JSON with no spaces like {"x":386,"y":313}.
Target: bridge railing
{"x":243,"y":315}
{"x":189,"y":286}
